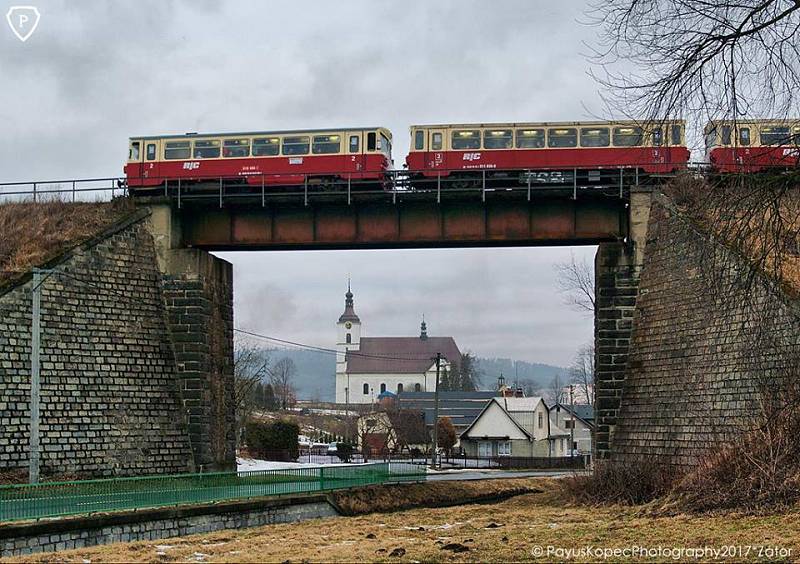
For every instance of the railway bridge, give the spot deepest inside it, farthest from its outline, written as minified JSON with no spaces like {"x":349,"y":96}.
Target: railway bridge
{"x":187,"y":226}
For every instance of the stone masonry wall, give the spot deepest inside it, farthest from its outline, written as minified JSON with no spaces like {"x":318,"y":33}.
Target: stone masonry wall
{"x":157,"y":524}
{"x":110,"y":403}
{"x":703,"y":353}
{"x":198,"y":295}
{"x":616,"y":288}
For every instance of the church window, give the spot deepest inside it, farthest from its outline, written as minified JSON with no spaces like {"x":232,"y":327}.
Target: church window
{"x":383,"y":387}
{"x":399,"y":388}
{"x":349,"y":339}
{"x":417,"y":388}
{"x":366,"y":389}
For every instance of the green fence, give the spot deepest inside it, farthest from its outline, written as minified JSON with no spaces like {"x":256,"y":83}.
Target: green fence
{"x":53,"y":499}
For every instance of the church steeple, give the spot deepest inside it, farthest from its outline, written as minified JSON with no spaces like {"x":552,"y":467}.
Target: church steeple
{"x":349,"y":313}
{"x":423,"y":329}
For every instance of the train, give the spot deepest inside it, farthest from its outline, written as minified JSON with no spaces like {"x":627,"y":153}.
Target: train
{"x":457,"y":155}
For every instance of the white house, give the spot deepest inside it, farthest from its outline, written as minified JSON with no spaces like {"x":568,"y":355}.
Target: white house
{"x":509,"y":426}
{"x":368,"y":366}
{"x":566,"y":417}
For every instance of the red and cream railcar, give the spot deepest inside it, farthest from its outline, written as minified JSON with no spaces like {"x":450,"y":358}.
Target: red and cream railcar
{"x":752,"y":145}
{"x":284,"y":158}
{"x":500,"y":148}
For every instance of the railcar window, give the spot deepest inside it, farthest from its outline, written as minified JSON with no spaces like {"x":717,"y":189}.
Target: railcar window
{"x":632,"y":136}
{"x":726,"y":134}
{"x":354,"y":143}
{"x":465,"y":139}
{"x":326,"y":144}
{"x":711,"y":138}
{"x":744,"y":136}
{"x":296,"y":145}
{"x":151,"y":151}
{"x":436,"y":142}
{"x":658,"y":137}
{"x":266,"y":146}
{"x":236,"y":148}
{"x":676,"y":135}
{"x":133,"y":154}
{"x":530,"y":138}
{"x":372,"y":141}
{"x":206,"y":149}
{"x":386,"y":146}
{"x":174,"y":150}
{"x":419,"y":140}
{"x":594,"y":137}
{"x":774,"y":135}
{"x":498,"y":139}
{"x":562,"y":137}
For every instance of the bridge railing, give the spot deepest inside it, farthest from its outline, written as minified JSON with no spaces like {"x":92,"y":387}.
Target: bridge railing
{"x":266,"y":186}
{"x":54,"y":499}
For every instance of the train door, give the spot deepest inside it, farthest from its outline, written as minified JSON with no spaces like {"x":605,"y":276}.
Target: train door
{"x":355,"y":151}
{"x":434,"y":158}
{"x":150,"y":168}
{"x":133,"y":168}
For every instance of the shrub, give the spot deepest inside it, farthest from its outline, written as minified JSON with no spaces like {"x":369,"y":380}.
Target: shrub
{"x":273,"y":440}
{"x":628,"y":483}
{"x":344,"y":451}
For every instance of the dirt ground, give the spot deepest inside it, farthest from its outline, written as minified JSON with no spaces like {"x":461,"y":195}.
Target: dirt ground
{"x":533,"y":526}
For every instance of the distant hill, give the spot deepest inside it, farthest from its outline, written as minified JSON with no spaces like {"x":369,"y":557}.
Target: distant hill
{"x":316,"y":372}
{"x":537,"y":374}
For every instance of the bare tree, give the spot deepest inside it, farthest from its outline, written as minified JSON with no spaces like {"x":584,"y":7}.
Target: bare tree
{"x":722,"y":59}
{"x":582,"y":374}
{"x":250,"y":365}
{"x":555,"y":390}
{"x":281,"y":376}
{"x":576,"y":283}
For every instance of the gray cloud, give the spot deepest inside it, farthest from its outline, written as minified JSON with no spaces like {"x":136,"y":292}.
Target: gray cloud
{"x":96,"y":72}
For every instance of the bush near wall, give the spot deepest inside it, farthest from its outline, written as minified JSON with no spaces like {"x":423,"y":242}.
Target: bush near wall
{"x":273,"y":440}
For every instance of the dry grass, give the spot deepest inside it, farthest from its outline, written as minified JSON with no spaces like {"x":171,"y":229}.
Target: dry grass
{"x":507,"y":531}
{"x":35,"y":233}
{"x":431,"y":494}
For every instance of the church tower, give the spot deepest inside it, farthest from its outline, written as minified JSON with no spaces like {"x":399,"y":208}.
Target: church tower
{"x":348,"y":338}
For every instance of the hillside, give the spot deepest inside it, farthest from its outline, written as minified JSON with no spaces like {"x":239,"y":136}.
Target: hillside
{"x":315,"y":372}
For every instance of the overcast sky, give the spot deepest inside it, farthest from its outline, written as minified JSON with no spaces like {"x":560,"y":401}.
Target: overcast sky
{"x":96,"y":72}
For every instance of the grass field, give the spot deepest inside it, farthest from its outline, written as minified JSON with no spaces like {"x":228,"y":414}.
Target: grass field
{"x":504,"y":531}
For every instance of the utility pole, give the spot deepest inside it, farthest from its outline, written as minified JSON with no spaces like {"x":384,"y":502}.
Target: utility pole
{"x":436,"y":412}
{"x":33,"y":469}
{"x":572,"y":426}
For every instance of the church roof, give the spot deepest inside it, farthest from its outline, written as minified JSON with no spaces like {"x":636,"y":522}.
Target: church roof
{"x":349,"y":313}
{"x":400,"y":355}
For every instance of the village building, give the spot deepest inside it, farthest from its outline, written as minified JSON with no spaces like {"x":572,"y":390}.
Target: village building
{"x":369,"y":366}
{"x":510,"y":426}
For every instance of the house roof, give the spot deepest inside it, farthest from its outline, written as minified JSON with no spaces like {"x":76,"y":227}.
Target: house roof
{"x":461,"y":407}
{"x":500,"y":402}
{"x":520,"y":404}
{"x":400,"y":355}
{"x":581,"y":411}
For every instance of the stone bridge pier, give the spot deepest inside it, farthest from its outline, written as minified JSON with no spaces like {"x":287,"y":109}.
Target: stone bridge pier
{"x":198,"y":297}
{"x":617,"y":270}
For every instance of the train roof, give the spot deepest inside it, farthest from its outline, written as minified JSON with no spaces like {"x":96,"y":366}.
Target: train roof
{"x":192,"y":135}
{"x":544,"y":123}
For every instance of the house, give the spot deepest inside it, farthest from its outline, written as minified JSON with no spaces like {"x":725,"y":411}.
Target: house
{"x":387,"y":429}
{"x":368,"y":366}
{"x":565,"y":417}
{"x":509,"y":426}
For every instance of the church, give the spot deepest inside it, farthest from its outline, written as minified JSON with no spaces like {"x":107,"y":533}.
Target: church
{"x":369,"y":366}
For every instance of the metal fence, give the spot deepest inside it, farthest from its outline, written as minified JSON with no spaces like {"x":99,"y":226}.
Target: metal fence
{"x":22,"y":502}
